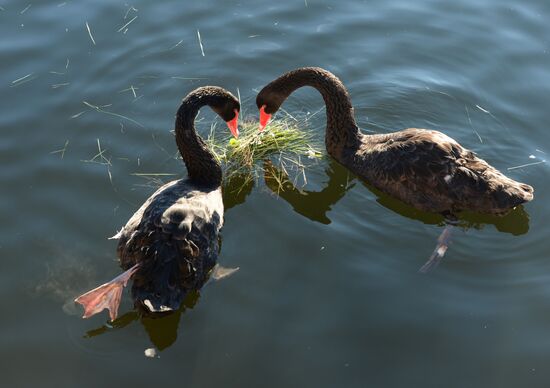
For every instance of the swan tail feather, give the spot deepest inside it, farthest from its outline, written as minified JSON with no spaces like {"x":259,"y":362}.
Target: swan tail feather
{"x":117,"y":235}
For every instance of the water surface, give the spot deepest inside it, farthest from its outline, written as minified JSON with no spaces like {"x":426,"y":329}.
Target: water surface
{"x":328,"y":292}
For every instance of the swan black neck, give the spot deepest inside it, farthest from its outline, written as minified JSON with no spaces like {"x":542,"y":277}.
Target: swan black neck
{"x":202,"y":166}
{"x":342,"y":131}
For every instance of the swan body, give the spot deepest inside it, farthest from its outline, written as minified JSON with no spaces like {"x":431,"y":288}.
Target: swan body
{"x":174,"y":238}
{"x":170,"y":245}
{"x":423,"y":168}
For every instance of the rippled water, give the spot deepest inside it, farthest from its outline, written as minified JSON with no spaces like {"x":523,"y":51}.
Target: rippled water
{"x":328,"y":292}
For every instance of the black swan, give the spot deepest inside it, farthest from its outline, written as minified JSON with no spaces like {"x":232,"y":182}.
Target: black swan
{"x":423,"y":168}
{"x":170,"y":245}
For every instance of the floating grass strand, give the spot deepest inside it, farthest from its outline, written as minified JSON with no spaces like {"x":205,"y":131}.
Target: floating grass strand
{"x":62,"y":150}
{"x":471,"y":125}
{"x":90,"y":33}
{"x":127,"y":24}
{"x":128,"y":11}
{"x":99,"y":109}
{"x":55,"y":86}
{"x":176,"y":45}
{"x":103,"y":160}
{"x":20,"y":80}
{"x":200,"y":42}
{"x":25,"y":10}
{"x":526,"y":165}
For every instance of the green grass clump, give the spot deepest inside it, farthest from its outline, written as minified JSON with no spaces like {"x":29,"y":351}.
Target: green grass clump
{"x":283,"y":140}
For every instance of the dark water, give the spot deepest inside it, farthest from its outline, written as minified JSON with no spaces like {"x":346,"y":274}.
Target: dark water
{"x":328,"y":292}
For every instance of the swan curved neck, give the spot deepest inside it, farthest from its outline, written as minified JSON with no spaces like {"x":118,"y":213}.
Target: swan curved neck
{"x":342,"y":132}
{"x":202,"y":166}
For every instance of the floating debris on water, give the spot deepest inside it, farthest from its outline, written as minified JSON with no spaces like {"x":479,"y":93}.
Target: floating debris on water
{"x":90,"y":33}
{"x":312,"y":154}
{"x":200,"y":42}
{"x":131,"y":8}
{"x":132,"y":88}
{"x":26,"y":9}
{"x":127,"y":24}
{"x":284,"y":141}
{"x":176,"y":45}
{"x":526,"y":165}
{"x":78,"y":114}
{"x":62,"y":150}
{"x":99,"y":109}
{"x":55,"y":86}
{"x":22,"y":80}
{"x":471,"y":125}
{"x":482,"y":109}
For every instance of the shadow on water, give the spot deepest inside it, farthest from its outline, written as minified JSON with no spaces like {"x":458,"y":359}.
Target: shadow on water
{"x":515,"y":222}
{"x":311,"y":204}
{"x":315,"y":205}
{"x":163,"y":328}
{"x":236,"y":190}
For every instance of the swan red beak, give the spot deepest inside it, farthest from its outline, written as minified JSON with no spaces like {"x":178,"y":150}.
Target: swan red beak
{"x":264,"y":118}
{"x":234,"y":125}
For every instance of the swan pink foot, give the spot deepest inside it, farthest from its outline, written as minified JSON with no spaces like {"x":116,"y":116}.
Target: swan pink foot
{"x":442,"y":245}
{"x":107,"y":296}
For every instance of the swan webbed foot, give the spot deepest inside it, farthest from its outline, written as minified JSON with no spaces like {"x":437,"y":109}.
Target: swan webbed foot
{"x":443,"y":242}
{"x":107,"y":296}
{"x":219,"y":272}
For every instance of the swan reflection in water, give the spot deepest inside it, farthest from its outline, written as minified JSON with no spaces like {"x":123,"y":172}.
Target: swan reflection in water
{"x":162,"y":329}
{"x":315,"y":206}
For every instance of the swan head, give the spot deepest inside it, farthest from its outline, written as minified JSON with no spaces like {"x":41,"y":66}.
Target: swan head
{"x":222,"y":102}
{"x":268,"y":102}
{"x":227,"y":107}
